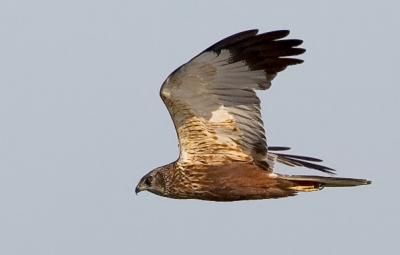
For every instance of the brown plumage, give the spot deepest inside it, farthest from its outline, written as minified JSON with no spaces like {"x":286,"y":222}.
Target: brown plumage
{"x":216,"y":113}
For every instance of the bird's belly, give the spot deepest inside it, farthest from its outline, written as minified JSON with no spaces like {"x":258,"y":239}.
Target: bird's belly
{"x":231,"y":192}
{"x":242,"y":185}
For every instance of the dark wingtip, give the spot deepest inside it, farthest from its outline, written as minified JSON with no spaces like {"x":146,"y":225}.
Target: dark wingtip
{"x":231,"y":40}
{"x":300,"y":157}
{"x":278,"y":148}
{"x":293,"y":61}
{"x":270,"y":51}
{"x":298,"y":160}
{"x":277,"y":34}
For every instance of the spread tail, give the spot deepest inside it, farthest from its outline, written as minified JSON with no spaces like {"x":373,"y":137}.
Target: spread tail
{"x":307,"y":183}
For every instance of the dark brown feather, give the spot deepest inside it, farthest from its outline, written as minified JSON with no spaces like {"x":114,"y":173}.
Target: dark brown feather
{"x":231,"y":40}
{"x":299,"y":157}
{"x":278,"y":148}
{"x":263,"y":51}
{"x":241,"y":181}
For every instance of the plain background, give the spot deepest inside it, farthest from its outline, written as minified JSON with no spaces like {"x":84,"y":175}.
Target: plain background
{"x":81,"y":121}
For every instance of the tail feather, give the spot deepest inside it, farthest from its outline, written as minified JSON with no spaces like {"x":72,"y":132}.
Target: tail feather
{"x":307,"y":183}
{"x":313,"y":182}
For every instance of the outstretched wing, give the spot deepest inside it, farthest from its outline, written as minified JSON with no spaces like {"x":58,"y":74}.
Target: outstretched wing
{"x":212,"y":98}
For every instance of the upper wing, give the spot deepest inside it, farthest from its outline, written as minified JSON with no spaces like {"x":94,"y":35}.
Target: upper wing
{"x":212,"y":98}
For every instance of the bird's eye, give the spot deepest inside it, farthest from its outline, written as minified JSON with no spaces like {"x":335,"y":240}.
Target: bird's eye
{"x":148,"y":180}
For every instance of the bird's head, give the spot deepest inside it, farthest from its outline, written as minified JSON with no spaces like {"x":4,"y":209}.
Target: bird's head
{"x":154,"y":181}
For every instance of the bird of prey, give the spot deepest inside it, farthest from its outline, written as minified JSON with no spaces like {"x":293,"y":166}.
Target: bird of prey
{"x":223,"y":150}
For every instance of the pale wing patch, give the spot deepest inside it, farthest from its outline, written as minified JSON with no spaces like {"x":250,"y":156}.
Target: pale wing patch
{"x":220,"y":115}
{"x":222,"y":121}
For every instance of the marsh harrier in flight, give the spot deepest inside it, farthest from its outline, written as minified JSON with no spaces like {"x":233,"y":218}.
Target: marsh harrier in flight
{"x":216,"y":112}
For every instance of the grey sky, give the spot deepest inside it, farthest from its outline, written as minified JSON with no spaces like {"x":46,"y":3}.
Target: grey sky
{"x":81,"y":122}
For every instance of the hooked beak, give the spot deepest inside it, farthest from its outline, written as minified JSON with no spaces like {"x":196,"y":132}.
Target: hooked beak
{"x":139,"y":188}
